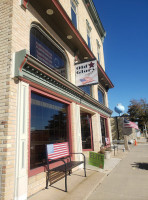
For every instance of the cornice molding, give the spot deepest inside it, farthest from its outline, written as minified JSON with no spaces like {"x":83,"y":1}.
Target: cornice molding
{"x":35,"y":71}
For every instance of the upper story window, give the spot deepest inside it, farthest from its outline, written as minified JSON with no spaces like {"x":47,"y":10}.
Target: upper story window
{"x":87,"y":89}
{"x":88,"y":34}
{"x":74,"y":4}
{"x":101,"y":96}
{"x":46,"y":50}
{"x":98,"y":51}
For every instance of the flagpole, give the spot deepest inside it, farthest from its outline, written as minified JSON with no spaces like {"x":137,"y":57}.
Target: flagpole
{"x":117,"y":128}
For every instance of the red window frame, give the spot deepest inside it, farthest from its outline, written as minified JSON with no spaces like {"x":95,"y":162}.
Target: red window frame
{"x":32,"y":172}
{"x":106,"y":126}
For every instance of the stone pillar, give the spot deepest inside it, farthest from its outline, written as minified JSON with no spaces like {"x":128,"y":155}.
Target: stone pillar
{"x":126,"y":142}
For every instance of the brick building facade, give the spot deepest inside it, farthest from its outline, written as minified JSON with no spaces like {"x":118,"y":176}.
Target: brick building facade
{"x":40,"y":43}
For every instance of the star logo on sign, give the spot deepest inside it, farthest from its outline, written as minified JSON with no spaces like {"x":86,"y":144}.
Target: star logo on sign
{"x":91,"y":64}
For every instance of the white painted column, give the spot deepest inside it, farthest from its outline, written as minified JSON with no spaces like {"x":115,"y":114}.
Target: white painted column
{"x":21,"y":178}
{"x":78,"y":130}
{"x":100,"y":134}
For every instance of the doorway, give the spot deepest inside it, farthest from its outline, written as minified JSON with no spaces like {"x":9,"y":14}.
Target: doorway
{"x":86,"y":131}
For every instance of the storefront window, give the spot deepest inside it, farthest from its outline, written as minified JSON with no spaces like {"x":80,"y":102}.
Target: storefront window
{"x":86,"y":131}
{"x":48,"y":125}
{"x":45,"y":50}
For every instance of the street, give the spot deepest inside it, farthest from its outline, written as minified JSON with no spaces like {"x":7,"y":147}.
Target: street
{"x":128,"y":180}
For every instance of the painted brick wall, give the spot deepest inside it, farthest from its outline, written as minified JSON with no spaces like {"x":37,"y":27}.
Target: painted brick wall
{"x":15,"y":25}
{"x":21,"y":24}
{"x":7,"y":103}
{"x":82,"y":15}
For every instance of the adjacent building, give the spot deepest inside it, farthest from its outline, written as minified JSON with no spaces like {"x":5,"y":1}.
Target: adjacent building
{"x":121,"y":127}
{"x":42,"y":44}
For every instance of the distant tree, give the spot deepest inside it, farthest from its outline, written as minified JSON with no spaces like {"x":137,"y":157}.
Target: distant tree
{"x":138,"y":112}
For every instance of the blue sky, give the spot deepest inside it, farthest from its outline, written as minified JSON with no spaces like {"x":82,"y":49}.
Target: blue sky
{"x":125,"y":49}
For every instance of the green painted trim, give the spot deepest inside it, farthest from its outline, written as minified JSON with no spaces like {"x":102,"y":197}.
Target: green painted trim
{"x":36,"y":72}
{"x":19,"y":58}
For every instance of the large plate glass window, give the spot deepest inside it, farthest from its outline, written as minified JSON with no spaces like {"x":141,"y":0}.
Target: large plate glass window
{"x":45,"y":49}
{"x":49,"y":124}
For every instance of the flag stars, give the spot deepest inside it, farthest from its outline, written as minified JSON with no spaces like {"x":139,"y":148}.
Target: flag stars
{"x":91,"y":64}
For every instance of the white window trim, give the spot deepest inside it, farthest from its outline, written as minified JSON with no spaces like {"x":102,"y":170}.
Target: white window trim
{"x":98,"y":49}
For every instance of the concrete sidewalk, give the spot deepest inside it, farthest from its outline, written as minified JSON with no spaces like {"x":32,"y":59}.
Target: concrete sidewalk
{"x":80,"y":187}
{"x":129,"y":180}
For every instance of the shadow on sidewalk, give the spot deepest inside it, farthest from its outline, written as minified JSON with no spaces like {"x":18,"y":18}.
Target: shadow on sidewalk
{"x":143,"y":166}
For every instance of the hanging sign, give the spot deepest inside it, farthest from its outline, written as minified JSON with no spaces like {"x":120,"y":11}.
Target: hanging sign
{"x":86,"y":73}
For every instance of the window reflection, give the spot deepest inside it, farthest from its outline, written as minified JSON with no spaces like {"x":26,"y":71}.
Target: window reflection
{"x":86,"y":88}
{"x":48,"y":125}
{"x":100,"y":96}
{"x":44,"y":50}
{"x":74,"y":14}
{"x":86,"y":131}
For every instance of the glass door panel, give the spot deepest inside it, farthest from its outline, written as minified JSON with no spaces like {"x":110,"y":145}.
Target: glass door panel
{"x":86,"y":131}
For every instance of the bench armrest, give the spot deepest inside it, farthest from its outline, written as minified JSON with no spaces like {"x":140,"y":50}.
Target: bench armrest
{"x":79,"y":153}
{"x":59,"y":159}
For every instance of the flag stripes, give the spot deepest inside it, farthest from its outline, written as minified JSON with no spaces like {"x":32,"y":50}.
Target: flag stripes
{"x":129,"y":124}
{"x":58,"y":150}
{"x":43,"y":55}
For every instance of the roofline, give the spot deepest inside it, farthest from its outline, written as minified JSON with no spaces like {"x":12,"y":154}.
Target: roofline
{"x":95,"y":18}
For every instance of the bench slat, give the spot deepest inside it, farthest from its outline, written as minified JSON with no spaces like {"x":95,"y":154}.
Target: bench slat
{"x":69,"y":166}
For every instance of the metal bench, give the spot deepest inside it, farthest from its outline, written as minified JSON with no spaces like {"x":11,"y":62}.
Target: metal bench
{"x":60,"y":152}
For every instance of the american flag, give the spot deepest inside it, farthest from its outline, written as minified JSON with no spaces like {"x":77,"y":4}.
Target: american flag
{"x":86,"y":80}
{"x":58,"y":150}
{"x":129,"y":124}
{"x":43,"y":54}
{"x":107,"y":141}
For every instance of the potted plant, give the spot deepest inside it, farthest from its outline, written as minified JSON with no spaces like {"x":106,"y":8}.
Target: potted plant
{"x":106,"y":151}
